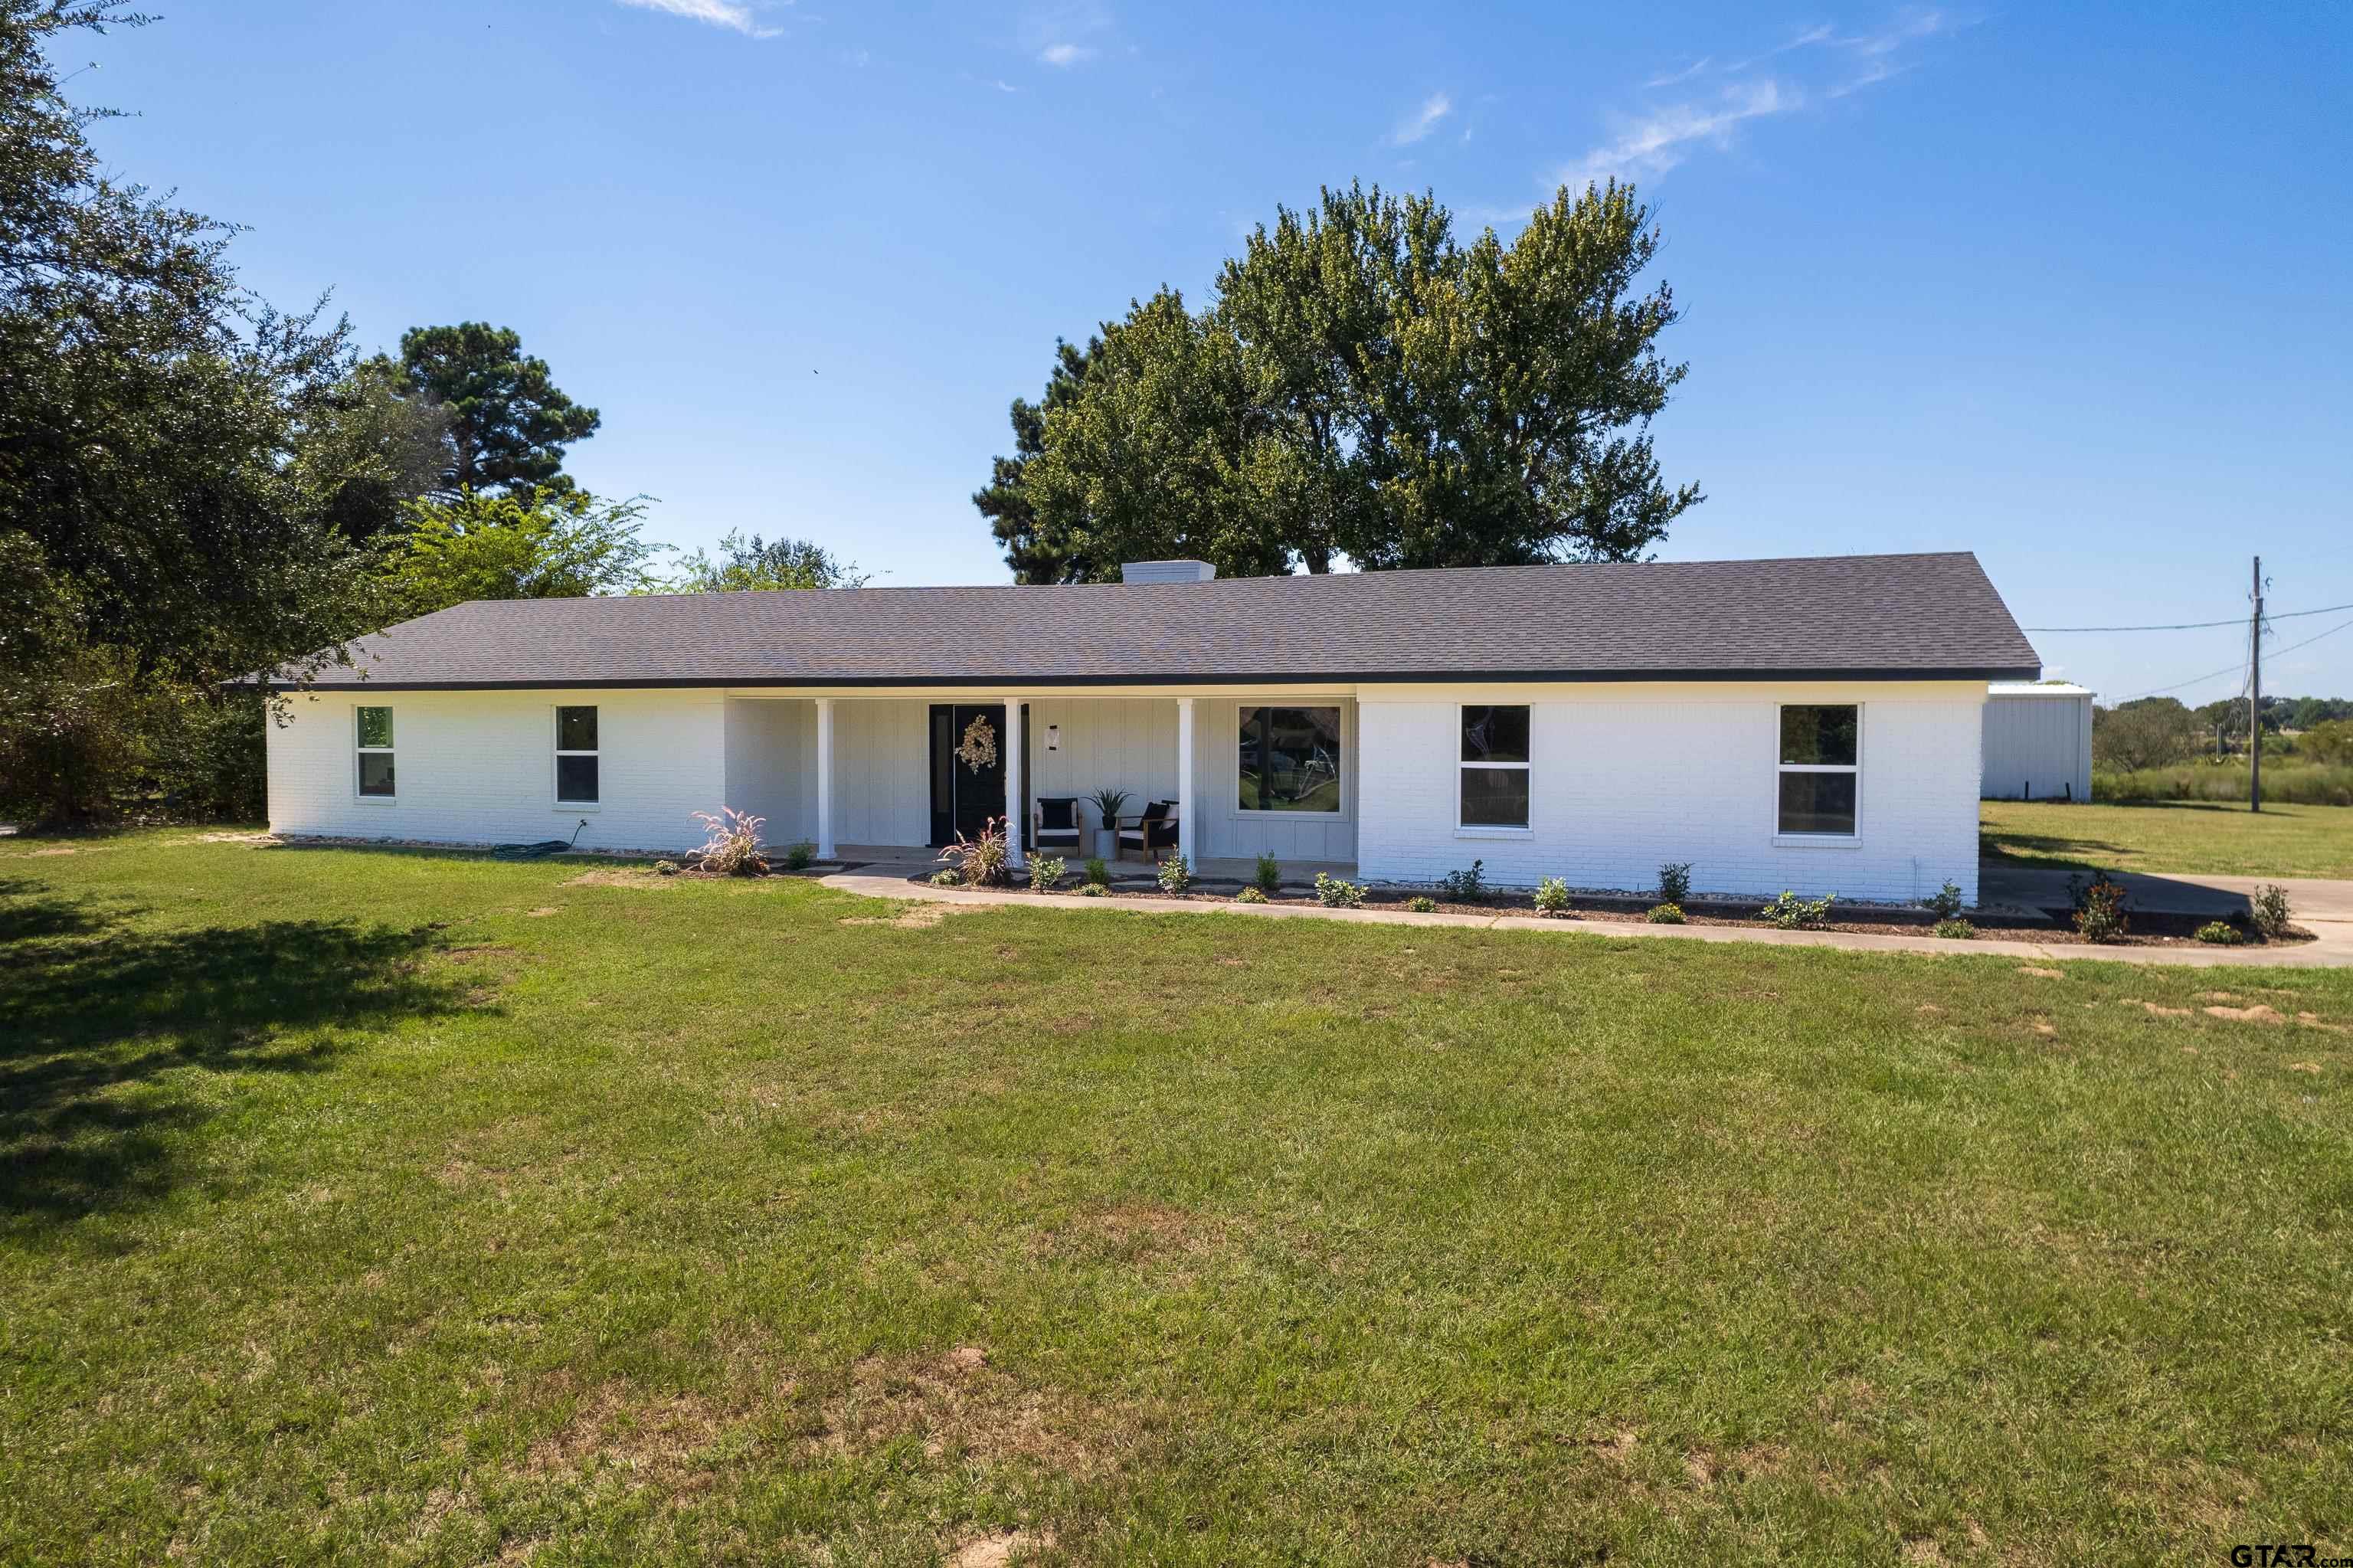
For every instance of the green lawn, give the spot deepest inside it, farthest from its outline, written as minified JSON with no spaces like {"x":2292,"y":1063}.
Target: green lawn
{"x":2198,"y":837}
{"x":392,"y":1207}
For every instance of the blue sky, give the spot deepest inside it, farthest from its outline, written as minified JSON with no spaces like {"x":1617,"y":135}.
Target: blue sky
{"x":2066,"y":285}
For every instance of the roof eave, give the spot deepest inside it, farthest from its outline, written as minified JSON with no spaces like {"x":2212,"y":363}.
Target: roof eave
{"x":1248,"y":677}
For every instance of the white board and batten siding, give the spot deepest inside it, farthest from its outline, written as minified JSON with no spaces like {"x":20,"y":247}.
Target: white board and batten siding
{"x":479,"y":767}
{"x":2038,"y":741}
{"x":1625,"y":778}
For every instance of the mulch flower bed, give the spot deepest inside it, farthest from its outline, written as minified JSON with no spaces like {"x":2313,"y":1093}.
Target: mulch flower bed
{"x":2144,"y":930}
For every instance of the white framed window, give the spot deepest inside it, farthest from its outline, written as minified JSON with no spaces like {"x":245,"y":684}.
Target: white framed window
{"x":1820,"y":771}
{"x":1288,"y":760}
{"x":371,"y":743}
{"x":577,"y":757}
{"x":1493,"y":769}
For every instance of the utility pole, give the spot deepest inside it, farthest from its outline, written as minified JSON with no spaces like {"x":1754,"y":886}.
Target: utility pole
{"x":2256,"y":697}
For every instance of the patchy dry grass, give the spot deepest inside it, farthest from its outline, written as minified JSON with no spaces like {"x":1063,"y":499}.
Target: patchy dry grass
{"x":369,"y":1206}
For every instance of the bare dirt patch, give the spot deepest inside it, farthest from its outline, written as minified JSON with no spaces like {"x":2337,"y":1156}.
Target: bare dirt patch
{"x":542,"y":912}
{"x":2262,"y":1013}
{"x":957,"y":1402}
{"x":997,"y":1551}
{"x":651,"y":1441}
{"x":2156,"y":1010}
{"x":2046,"y":974}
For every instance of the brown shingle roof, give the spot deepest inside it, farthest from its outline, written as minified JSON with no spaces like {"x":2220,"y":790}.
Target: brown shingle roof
{"x":1869,"y":616}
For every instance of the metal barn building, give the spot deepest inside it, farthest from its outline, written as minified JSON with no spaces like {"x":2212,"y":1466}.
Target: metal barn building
{"x":2038,"y":742}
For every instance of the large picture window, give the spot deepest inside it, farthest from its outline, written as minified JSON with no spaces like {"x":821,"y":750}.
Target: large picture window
{"x":1290,"y":759}
{"x":576,"y":756}
{"x":1494,"y":767}
{"x":1819,"y":769}
{"x":374,"y":738}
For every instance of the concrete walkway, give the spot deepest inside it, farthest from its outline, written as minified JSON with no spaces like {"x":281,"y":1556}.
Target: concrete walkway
{"x":2329,"y":916}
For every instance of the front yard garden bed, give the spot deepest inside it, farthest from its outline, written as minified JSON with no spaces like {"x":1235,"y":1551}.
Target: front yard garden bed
{"x":2052,"y":926}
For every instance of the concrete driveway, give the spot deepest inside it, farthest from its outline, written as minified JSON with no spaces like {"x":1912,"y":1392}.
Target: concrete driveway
{"x":2007,"y":884}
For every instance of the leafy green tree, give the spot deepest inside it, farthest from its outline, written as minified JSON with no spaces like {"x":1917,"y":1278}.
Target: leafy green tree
{"x":1154,"y":457}
{"x":153,"y":526}
{"x":757,"y":563}
{"x":2329,"y":741}
{"x":2308,"y":713}
{"x":507,"y":421}
{"x":549,"y":543}
{"x":1363,"y":386}
{"x":1035,"y":558}
{"x":2150,"y":733}
{"x":366,"y":448}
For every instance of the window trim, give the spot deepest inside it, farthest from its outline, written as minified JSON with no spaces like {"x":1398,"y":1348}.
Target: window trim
{"x":1783,"y":838}
{"x":359,"y":751}
{"x":1500,"y":830}
{"x":556,"y":751}
{"x":1343,"y":811}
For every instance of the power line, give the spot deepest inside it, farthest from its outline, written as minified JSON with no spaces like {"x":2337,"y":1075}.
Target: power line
{"x":2196,"y":625}
{"x":2240,"y":665}
{"x":2310,"y":640}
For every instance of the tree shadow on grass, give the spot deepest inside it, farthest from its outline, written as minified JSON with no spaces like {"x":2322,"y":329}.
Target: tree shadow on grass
{"x":92,"y":1012}
{"x":2044,"y":849}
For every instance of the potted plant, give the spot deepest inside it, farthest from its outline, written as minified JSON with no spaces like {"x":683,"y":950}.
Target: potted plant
{"x":1110,"y":803}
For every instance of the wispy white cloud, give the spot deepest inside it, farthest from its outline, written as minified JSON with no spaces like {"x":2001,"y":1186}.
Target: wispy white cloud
{"x":1422,"y":121}
{"x":1065,"y":35}
{"x":1656,"y":142}
{"x":1670,"y":77}
{"x":1002,"y":85}
{"x":1820,"y":62}
{"x":733,"y":14}
{"x":1804,"y":38}
{"x":1873,"y":55}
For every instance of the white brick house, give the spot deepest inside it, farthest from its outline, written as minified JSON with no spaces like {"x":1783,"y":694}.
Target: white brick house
{"x":1804,"y":724}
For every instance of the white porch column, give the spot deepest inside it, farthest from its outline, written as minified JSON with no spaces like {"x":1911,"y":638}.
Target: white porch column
{"x":1186,"y":815}
{"x":1015,"y":818}
{"x":825,"y":779}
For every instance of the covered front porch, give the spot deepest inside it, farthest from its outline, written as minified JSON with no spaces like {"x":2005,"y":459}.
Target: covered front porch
{"x":888,"y":777}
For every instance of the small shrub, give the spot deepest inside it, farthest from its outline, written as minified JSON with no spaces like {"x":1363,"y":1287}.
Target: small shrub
{"x":1098,"y":873}
{"x":2222,"y":933}
{"x":799,"y":856}
{"x":734,"y":849}
{"x":947,"y":876}
{"x":1792,"y":913}
{"x":1046,"y":872}
{"x":2099,"y":908}
{"x":2268,"y":909}
{"x":1674,"y":883}
{"x":1552,"y":895}
{"x":1946,"y":901}
{"x":1335,"y":894}
{"x":981,"y":859}
{"x":1093,"y":890}
{"x":1953,"y":928}
{"x":665,"y":868}
{"x":1423,"y":904}
{"x":1269,"y":875}
{"x":1176,"y":874}
{"x":1468,"y":886}
{"x":1669,"y":914}
{"x":1251,"y":894}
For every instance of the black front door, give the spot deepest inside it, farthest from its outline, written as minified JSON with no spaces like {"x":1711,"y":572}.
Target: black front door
{"x":964,"y":799}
